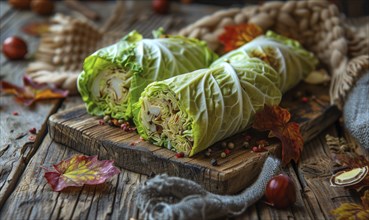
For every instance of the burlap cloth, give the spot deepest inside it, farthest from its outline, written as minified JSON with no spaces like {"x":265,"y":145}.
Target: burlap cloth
{"x":341,"y":45}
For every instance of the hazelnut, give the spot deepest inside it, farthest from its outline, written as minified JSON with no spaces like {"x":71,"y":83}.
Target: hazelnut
{"x":42,"y":7}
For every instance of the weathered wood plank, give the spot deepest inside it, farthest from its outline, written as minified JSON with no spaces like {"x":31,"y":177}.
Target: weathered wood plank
{"x":86,"y":135}
{"x":34,"y":199}
{"x":315,"y":171}
{"x":15,"y":148}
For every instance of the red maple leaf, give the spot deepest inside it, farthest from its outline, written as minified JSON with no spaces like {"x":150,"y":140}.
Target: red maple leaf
{"x":79,"y":170}
{"x":237,"y":35}
{"x":32,"y":91}
{"x":276,"y":120}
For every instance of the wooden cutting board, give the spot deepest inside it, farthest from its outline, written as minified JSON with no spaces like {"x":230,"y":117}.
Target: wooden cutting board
{"x":76,"y":129}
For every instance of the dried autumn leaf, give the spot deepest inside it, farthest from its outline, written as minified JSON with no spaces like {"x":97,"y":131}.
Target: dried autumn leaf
{"x":276,"y":120}
{"x":352,"y":210}
{"x":36,"y":28}
{"x":32,"y":91}
{"x":237,"y":35}
{"x":79,"y":170}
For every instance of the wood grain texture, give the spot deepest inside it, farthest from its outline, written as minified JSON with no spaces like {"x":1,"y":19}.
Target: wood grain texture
{"x":78,"y":130}
{"x":15,"y":147}
{"x":16,"y":150}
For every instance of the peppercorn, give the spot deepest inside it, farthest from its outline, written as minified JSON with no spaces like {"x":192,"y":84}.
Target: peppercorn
{"x":32,"y":131}
{"x":231,"y":145}
{"x":214,"y":162}
{"x":246,"y":144}
{"x":227,"y":151}
{"x":255,"y":149}
{"x":120,"y":121}
{"x":180,"y":155}
{"x":32,"y":138}
{"x":259,"y":148}
{"x":223,"y":155}
{"x":106,"y":118}
{"x":262,"y":142}
{"x":101,"y":122}
{"x":304,"y":99}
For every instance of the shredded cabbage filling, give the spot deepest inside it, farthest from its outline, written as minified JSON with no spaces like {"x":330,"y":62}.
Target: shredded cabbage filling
{"x":110,"y":88}
{"x":167,"y":125}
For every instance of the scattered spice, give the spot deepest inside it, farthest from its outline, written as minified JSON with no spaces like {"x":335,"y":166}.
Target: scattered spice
{"x":231,"y":145}
{"x":214,"y":162}
{"x":180,"y":155}
{"x":246,"y":144}
{"x":262,"y":142}
{"x":259,"y":148}
{"x":127,"y":127}
{"x":247,"y":138}
{"x":32,"y":131}
{"x":15,"y":113}
{"x":227,"y":151}
{"x":106,"y":118}
{"x":223,"y":155}
{"x":304,"y":99}
{"x":115,"y":122}
{"x":32,"y":138}
{"x":101,"y":122}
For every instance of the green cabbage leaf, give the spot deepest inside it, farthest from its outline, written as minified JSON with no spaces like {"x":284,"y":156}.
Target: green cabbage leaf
{"x":285,"y":55}
{"x":190,"y":112}
{"x":114,"y":77}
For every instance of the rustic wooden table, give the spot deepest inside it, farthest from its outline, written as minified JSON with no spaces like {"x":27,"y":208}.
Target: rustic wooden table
{"x":25,"y":194}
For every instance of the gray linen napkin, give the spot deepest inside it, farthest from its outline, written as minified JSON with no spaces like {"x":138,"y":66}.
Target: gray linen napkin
{"x":356,"y":111}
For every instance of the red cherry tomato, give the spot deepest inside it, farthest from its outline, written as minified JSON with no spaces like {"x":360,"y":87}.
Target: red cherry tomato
{"x":160,"y":6}
{"x":14,"y":48}
{"x":281,"y":191}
